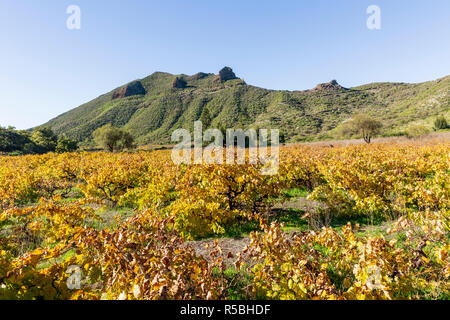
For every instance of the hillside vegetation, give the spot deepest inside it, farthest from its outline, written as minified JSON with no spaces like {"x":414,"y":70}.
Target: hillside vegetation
{"x":151,"y":108}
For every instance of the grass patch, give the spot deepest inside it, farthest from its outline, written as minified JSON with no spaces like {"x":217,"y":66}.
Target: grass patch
{"x":238,"y":288}
{"x":291,"y":218}
{"x":362,"y":220}
{"x":296,"y":193}
{"x":241,"y":229}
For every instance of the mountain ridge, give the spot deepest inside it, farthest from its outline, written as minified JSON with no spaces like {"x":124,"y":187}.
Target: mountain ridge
{"x":152,"y":107}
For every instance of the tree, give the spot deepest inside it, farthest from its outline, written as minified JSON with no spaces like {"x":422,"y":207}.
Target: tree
{"x":39,"y":141}
{"x":29,"y":148}
{"x":107,"y":137}
{"x":282,"y":138}
{"x":205,"y":117}
{"x":126,"y":142}
{"x":113,"y":139}
{"x":363,"y":125}
{"x":45,"y":139}
{"x":66,"y":145}
{"x":440,"y":123}
{"x":223,"y":130}
{"x":12,"y":140}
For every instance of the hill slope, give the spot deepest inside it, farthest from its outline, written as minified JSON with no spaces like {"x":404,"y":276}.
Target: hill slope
{"x":151,"y":108}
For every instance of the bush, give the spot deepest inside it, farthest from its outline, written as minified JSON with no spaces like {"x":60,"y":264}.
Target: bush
{"x":440,"y":123}
{"x":417,"y":131}
{"x":45,"y":139}
{"x":66,"y":145}
{"x":342,"y":265}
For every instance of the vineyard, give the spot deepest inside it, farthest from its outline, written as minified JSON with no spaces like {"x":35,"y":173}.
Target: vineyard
{"x":127,"y":225}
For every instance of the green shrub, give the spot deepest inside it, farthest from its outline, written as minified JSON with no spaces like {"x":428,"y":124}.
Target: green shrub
{"x":417,"y":131}
{"x":66,"y":145}
{"x":440,"y":123}
{"x":45,"y":139}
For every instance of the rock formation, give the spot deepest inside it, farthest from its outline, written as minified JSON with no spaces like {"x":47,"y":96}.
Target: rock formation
{"x":332,"y":85}
{"x":199,"y":76}
{"x":226,"y":74}
{"x":131,"y":89}
{"x":179,"y":83}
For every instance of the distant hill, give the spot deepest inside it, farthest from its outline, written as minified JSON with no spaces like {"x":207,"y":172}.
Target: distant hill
{"x":151,"y":108}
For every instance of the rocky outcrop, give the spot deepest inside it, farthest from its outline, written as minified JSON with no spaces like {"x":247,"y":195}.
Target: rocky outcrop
{"x":226,"y":74}
{"x":179,"y":83}
{"x":199,"y":76}
{"x":131,"y":89}
{"x":332,"y":85}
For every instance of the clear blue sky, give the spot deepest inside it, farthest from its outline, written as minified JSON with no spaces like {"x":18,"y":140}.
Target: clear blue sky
{"x":46,"y":69}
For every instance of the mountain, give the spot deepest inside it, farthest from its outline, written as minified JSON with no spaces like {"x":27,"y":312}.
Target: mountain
{"x":151,"y":108}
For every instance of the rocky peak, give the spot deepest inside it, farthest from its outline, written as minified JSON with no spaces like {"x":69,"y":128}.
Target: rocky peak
{"x":226,"y":74}
{"x":332,"y":85}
